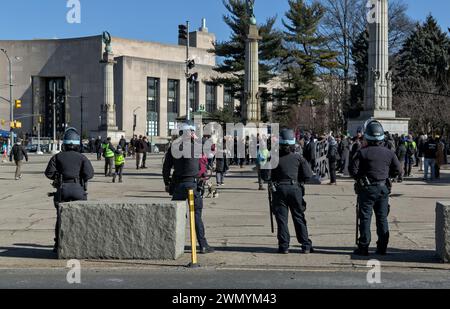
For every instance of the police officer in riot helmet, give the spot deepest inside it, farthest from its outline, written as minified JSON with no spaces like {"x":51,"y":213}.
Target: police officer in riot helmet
{"x":70,"y":172}
{"x":287,"y":185}
{"x":185,"y":176}
{"x":372,"y":167}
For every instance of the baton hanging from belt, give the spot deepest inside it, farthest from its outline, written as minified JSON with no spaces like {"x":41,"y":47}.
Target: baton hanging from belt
{"x":357,"y":222}
{"x":270,"y":188}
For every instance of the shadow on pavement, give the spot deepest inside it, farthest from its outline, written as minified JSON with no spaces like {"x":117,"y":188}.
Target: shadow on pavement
{"x":27,"y":252}
{"x":394,"y":254}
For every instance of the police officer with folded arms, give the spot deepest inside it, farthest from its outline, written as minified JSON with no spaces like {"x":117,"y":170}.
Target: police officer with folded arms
{"x":185,"y":176}
{"x":372,"y":167}
{"x":70,"y":172}
{"x":287,"y":185}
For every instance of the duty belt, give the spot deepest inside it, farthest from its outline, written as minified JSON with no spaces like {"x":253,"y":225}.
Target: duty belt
{"x":377,"y":183}
{"x":185,"y":179}
{"x":73,"y":180}
{"x":286,"y":182}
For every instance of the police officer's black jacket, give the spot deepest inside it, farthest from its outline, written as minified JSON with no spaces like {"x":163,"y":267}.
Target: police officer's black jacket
{"x":71,"y":165}
{"x":377,"y":163}
{"x":184,"y":168}
{"x":291,"y":167}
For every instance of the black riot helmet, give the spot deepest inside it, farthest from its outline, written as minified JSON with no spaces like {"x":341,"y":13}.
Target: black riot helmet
{"x":71,"y":140}
{"x":374,"y":131}
{"x":287,"y":137}
{"x":287,"y":141}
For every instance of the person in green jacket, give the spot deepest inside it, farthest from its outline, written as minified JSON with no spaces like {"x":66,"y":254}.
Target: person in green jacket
{"x":119,"y":161}
{"x":411,"y":149}
{"x":108,"y":153}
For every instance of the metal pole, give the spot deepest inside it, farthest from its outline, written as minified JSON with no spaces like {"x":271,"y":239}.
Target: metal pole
{"x":11,"y":97}
{"x":11,"y":106}
{"x":54,"y":116}
{"x":39,"y":137}
{"x":81,"y":134}
{"x":188,"y":108}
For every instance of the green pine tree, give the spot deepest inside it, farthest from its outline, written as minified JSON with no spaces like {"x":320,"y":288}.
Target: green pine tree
{"x":425,"y":56}
{"x":305,"y":55}
{"x":360,"y":56}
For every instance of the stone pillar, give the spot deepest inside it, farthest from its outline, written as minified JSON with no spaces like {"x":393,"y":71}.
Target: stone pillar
{"x":378,"y":88}
{"x":108,"y":126}
{"x":251,"y":111}
{"x":377,"y":95}
{"x":108,"y":106}
{"x":443,"y":231}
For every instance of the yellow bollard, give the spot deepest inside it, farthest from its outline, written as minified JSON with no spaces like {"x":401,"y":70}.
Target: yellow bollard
{"x":194,"y":263}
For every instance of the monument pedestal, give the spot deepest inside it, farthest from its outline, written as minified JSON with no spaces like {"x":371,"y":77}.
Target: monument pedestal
{"x":388,"y":120}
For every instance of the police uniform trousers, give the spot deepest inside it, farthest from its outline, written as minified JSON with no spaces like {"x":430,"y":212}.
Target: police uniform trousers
{"x":181,"y":193}
{"x":374,"y":198}
{"x":290,"y":197}
{"x":69,"y":192}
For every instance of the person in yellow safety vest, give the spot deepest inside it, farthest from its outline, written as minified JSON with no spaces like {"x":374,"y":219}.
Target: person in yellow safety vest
{"x":108,"y":153}
{"x":411,"y":149}
{"x":119,"y":163}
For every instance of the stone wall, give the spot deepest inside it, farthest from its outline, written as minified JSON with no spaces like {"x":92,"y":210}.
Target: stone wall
{"x":122,"y":230}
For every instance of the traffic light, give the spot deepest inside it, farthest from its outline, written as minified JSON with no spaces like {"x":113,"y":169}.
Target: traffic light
{"x":191,"y":64}
{"x":182,"y":32}
{"x":193,"y":77}
{"x":16,"y":125}
{"x":18,"y":103}
{"x":40,"y":119}
{"x":3,"y":122}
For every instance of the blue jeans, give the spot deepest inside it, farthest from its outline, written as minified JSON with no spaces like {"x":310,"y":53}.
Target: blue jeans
{"x":219,"y":178}
{"x":430,"y":163}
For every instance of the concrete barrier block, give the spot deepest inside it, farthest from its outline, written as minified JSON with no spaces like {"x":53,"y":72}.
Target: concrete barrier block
{"x":443,"y":231}
{"x":146,"y":230}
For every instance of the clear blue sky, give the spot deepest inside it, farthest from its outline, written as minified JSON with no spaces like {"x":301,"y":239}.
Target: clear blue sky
{"x":152,"y":20}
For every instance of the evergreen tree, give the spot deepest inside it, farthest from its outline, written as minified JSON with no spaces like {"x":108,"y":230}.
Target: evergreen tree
{"x":232,"y":52}
{"x":360,"y":56}
{"x":425,"y":56}
{"x":304,"y":54}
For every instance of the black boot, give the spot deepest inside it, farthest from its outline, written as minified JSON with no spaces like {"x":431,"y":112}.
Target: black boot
{"x":206,"y":250}
{"x":361,"y":251}
{"x":283,"y":251}
{"x":381,"y":249}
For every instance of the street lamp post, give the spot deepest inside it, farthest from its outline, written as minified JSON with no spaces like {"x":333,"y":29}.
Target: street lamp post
{"x":11,"y":107}
{"x":135,"y":119}
{"x":54,"y":118}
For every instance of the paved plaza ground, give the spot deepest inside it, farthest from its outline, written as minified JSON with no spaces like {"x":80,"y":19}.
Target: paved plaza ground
{"x":237,"y":226}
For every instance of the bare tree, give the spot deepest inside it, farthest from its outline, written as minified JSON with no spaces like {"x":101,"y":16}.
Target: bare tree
{"x":427,"y":108}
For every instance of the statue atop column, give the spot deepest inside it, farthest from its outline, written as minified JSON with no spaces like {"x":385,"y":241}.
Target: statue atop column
{"x":250,"y":11}
{"x":251,"y":106}
{"x":107,"y":40}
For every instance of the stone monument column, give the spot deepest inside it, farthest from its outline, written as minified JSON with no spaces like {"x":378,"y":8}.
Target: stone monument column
{"x":378,"y":88}
{"x":251,"y":111}
{"x":378,"y":92}
{"x":108,"y":127}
